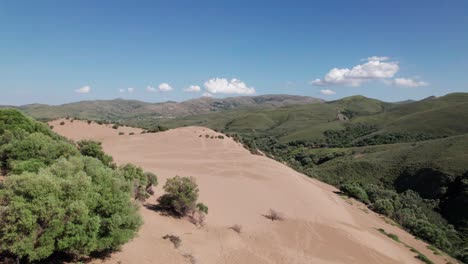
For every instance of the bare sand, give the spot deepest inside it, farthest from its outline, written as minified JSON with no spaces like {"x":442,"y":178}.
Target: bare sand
{"x":238,"y":187}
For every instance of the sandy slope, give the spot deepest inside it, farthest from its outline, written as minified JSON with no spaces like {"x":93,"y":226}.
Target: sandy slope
{"x":238,"y":187}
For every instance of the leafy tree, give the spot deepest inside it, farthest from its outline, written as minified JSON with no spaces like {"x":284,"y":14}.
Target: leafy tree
{"x":181,"y":195}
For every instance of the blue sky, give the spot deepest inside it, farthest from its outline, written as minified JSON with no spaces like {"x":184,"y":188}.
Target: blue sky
{"x":61,"y":51}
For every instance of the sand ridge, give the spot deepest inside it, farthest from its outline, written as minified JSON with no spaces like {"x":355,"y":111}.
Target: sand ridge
{"x":238,"y":187}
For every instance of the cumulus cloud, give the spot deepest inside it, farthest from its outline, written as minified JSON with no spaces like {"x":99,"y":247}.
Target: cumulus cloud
{"x":164,"y":87}
{"x":129,"y":90}
{"x":83,"y":90}
{"x":222,"y":85}
{"x":407,"y":82}
{"x":327,"y":92}
{"x":207,"y":95}
{"x":376,"y":68}
{"x":193,"y":89}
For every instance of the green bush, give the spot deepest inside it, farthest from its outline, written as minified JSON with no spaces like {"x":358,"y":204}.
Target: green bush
{"x":94,"y":149}
{"x":35,"y":146}
{"x":181,"y":195}
{"x":356,"y":191}
{"x":115,"y":126}
{"x":202,"y":208}
{"x":383,"y":206}
{"x":31,"y":165}
{"x":152,"y":179}
{"x":76,"y":207}
{"x":55,"y":200}
{"x":140,"y":181}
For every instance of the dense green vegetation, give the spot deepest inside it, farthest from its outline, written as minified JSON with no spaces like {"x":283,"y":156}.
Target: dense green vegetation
{"x":407,"y":161}
{"x":58,"y":199}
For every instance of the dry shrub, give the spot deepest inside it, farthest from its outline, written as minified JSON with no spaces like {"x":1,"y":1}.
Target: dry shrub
{"x":190,"y":258}
{"x":174,"y":239}
{"x":237,"y":228}
{"x":274,"y":215}
{"x":197,"y":218}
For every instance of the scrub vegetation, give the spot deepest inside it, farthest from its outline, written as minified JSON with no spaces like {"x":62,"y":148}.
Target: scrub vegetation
{"x":60,"y":199}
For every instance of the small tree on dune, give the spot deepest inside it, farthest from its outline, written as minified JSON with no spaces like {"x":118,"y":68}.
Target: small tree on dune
{"x":181,"y":197}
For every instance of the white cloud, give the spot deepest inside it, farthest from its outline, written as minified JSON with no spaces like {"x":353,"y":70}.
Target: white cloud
{"x":207,"y":95}
{"x":164,"y":87}
{"x":376,"y":68}
{"x":121,"y":90}
{"x":83,"y":90}
{"x":406,"y":82}
{"x":377,"y":58}
{"x":327,"y":92}
{"x":150,"y":89}
{"x":130,"y":90}
{"x":222,"y":85}
{"x":193,"y":88}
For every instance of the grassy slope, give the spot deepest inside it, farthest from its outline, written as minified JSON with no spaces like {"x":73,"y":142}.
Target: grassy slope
{"x":437,"y":117}
{"x":384,"y":163}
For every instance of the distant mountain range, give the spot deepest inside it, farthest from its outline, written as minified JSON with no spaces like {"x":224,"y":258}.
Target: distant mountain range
{"x":121,"y":109}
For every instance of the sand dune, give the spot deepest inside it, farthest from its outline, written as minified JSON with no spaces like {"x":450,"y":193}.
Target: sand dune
{"x":238,"y":187}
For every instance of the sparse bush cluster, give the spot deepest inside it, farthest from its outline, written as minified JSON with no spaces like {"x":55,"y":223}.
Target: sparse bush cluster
{"x":156,"y":129}
{"x":58,"y":198}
